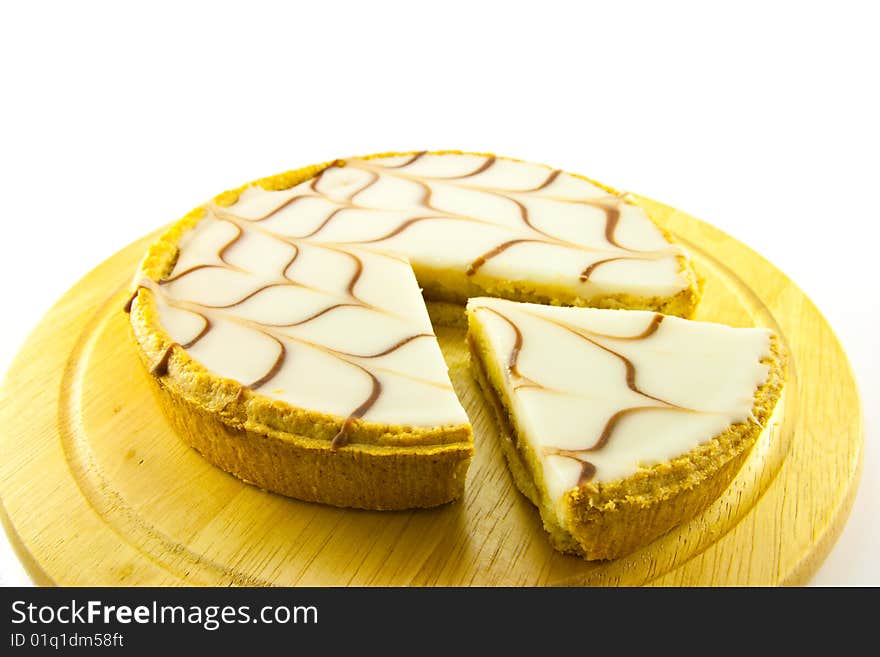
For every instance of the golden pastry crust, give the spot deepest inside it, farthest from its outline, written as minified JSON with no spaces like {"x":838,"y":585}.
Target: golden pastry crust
{"x":376,"y":477}
{"x":612,"y":519}
{"x":274,"y":445}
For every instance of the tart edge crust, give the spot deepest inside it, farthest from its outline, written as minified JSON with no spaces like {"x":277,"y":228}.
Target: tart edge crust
{"x":357,"y":476}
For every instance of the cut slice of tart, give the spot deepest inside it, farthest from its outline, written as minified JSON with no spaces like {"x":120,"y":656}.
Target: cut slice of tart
{"x":284,"y":330}
{"x":617,"y":424}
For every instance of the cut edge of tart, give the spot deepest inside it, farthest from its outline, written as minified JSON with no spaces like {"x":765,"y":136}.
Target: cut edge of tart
{"x":606,"y":519}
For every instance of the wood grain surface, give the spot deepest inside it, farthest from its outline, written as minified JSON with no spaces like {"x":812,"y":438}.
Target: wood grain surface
{"x":97,"y":490}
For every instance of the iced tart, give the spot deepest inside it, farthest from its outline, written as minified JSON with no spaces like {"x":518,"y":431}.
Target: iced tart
{"x":620,"y":424}
{"x":287,"y":337}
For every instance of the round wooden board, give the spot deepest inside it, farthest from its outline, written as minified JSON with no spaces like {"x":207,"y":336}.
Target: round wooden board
{"x":97,"y":490}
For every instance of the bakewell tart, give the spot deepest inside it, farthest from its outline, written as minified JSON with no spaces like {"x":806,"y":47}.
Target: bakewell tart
{"x":287,"y":339}
{"x":620,"y":424}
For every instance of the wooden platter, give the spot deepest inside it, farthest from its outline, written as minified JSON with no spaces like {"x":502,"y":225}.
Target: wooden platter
{"x":97,"y":490}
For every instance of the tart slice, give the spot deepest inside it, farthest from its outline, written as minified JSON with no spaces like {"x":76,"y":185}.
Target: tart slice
{"x":620,"y":424}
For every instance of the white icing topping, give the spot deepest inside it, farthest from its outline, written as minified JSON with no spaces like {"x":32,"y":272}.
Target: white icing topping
{"x":495,"y":218}
{"x":578,"y":368}
{"x":329,"y":344}
{"x":300,"y":293}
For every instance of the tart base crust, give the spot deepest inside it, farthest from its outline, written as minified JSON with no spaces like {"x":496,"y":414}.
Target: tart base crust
{"x":359,"y":476}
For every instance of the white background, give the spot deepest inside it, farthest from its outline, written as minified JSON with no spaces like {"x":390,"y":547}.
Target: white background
{"x":761,"y":118}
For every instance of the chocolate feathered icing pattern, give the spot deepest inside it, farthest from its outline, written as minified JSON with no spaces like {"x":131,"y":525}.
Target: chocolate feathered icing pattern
{"x":373,"y":214}
{"x":569,"y":345}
